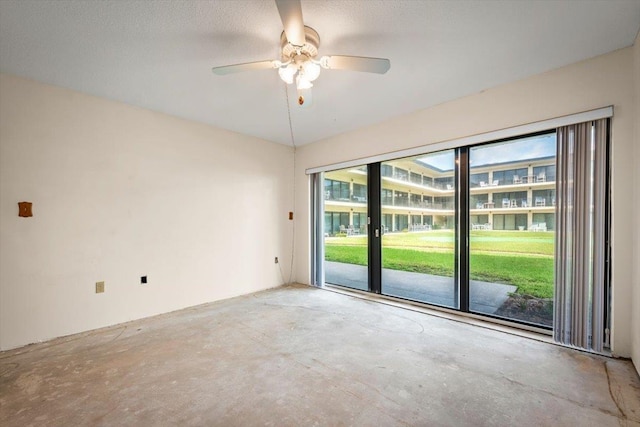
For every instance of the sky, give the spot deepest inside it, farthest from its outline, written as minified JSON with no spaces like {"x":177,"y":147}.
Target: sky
{"x":521,"y":149}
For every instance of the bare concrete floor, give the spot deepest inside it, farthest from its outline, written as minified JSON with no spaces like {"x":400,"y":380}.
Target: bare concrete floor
{"x":299,"y":356}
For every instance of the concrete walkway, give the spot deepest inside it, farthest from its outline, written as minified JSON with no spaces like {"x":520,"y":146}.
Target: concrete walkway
{"x":485,"y":297}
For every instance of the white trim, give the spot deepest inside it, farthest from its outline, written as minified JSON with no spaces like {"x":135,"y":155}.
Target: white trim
{"x":600,"y":113}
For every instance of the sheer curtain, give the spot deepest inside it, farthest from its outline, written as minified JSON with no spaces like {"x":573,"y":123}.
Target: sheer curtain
{"x":581,"y":234}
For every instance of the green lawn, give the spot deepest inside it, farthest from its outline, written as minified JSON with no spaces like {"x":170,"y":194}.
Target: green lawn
{"x":523,"y":259}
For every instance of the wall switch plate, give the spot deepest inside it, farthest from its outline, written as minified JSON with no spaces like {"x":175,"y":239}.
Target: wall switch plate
{"x":99,"y":287}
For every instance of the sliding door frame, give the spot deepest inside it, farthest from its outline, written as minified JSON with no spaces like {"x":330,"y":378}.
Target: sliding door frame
{"x":374,"y":227}
{"x":461,"y":201}
{"x":461,"y":250}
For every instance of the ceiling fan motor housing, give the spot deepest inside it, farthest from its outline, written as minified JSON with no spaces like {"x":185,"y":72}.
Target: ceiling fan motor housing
{"x":310,"y":48}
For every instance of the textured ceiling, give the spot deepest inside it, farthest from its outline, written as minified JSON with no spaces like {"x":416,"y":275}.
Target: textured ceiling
{"x":158,"y":54}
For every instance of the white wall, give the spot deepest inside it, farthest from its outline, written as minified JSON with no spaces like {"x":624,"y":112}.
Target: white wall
{"x":636,"y":250}
{"x":598,"y":82}
{"x":119,"y":192}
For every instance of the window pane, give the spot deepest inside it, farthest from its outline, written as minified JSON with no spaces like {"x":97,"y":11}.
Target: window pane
{"x":511,"y":233}
{"x":479,"y":179}
{"x":418,"y":245}
{"x":345,"y":228}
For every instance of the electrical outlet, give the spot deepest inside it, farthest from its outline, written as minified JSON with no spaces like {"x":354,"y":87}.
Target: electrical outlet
{"x":276,"y":260}
{"x":99,"y":287}
{"x":143,"y":279}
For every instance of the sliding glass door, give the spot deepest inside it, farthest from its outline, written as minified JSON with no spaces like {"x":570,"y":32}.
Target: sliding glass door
{"x":512,"y":229}
{"x":471,"y":229}
{"x":345,"y":227}
{"x":417,"y":205}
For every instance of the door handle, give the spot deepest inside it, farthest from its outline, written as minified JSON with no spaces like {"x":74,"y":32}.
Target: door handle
{"x":377,"y":233}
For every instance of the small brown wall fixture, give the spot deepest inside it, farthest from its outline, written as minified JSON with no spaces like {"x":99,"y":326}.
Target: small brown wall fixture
{"x":24,"y":209}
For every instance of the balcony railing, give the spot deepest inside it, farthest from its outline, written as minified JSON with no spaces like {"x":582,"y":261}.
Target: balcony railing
{"x":406,"y":178}
{"x":420,"y":205}
{"x":517,"y":180}
{"x":338,"y":198}
{"x":535,"y":202}
{"x":419,"y":227}
{"x":417,"y":205}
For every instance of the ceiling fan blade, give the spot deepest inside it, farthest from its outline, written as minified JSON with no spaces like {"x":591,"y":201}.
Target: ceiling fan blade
{"x":356,"y":63}
{"x":247,"y":66}
{"x":291,"y":16}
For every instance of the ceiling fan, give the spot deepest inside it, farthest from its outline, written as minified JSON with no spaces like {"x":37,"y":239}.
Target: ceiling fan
{"x":299,"y":61}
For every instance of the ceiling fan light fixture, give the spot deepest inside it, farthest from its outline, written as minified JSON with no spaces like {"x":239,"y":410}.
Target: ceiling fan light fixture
{"x":303,"y":83}
{"x":311,"y":70}
{"x":287,"y":73}
{"x":324,"y":62}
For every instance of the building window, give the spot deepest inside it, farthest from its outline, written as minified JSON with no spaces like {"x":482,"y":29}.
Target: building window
{"x":512,"y":199}
{"x":387,"y":222}
{"x":444,"y":183}
{"x":543,"y":221}
{"x":478,"y":201}
{"x":401,"y":174}
{"x":510,"y":176}
{"x":478,"y":219}
{"x":359,"y":193}
{"x":333,"y":221}
{"x":479,"y":179}
{"x":415,"y":200}
{"x":545,"y":173}
{"x":336,"y":190}
{"x":401,"y":199}
{"x":402,"y":222}
{"x":444,"y":203}
{"x":509,"y":222}
{"x":509,"y":228}
{"x":543,"y":198}
{"x":387,"y":197}
{"x":360,"y":222}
